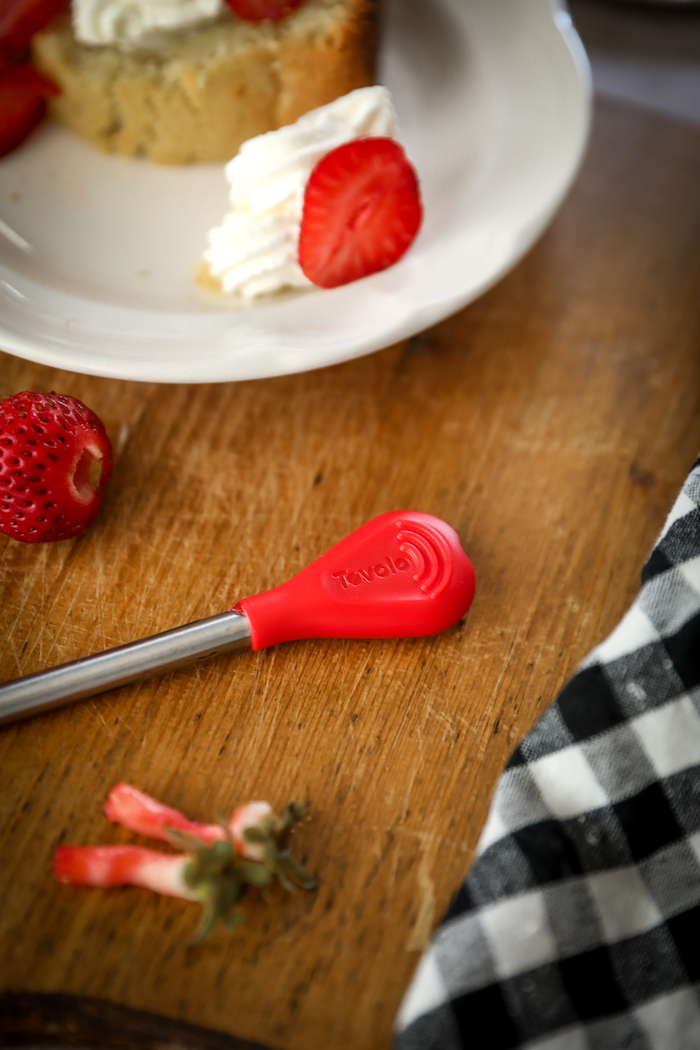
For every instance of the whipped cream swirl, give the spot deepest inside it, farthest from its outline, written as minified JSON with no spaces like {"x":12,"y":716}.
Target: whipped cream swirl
{"x":254,"y":251}
{"x":128,"y":23}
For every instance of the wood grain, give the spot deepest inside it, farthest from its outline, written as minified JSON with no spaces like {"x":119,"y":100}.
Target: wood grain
{"x":551,"y":423}
{"x":75,"y":1021}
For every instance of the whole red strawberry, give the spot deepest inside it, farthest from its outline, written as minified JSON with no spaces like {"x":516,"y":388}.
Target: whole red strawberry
{"x":55,"y":460}
{"x":362,"y":210}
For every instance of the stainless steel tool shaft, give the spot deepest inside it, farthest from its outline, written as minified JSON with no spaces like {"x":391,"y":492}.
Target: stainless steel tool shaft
{"x":402,"y":575}
{"x":127,"y":663}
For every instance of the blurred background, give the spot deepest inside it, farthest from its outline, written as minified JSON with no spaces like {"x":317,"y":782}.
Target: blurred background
{"x":644,"y":53}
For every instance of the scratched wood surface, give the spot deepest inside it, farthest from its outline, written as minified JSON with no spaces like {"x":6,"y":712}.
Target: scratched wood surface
{"x":551,"y":423}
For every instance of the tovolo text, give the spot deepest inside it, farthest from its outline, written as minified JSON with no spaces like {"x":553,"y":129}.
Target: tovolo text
{"x":375,"y":572}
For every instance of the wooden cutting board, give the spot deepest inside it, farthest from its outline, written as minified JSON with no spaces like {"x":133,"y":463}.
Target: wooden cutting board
{"x":551,"y":423}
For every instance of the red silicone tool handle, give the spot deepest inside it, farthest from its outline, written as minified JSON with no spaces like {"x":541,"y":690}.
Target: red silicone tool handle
{"x":402,"y":575}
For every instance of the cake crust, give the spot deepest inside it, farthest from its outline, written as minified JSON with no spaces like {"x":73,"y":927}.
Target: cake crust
{"x":199,"y":93}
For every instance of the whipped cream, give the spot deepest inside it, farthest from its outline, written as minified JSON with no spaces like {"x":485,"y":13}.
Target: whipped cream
{"x":128,"y":23}
{"x":254,"y":251}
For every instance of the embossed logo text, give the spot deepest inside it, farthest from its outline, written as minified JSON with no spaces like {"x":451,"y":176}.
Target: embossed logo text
{"x":380,"y":571}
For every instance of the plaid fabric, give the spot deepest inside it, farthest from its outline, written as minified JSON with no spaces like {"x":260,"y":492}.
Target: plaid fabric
{"x":578,"y":927}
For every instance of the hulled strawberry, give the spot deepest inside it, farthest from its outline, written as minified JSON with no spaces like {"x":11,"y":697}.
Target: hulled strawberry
{"x":55,"y":460}
{"x":362,"y":210}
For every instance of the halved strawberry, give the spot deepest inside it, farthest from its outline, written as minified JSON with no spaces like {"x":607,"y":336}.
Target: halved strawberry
{"x":21,"y":19}
{"x":23,"y":94}
{"x":362,"y":210}
{"x":263,"y":10}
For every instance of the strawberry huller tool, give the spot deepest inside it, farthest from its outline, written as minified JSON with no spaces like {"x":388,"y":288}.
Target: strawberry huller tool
{"x":402,"y":575}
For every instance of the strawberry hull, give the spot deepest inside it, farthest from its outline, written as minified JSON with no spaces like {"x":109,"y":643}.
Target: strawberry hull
{"x":122,"y":866}
{"x":144,"y":815}
{"x":251,"y":853}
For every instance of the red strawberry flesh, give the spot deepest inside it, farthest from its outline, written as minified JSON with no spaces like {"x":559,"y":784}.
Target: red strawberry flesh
{"x":141,"y":813}
{"x":263,"y":10}
{"x":362,"y":210}
{"x":21,"y":19}
{"x":23,"y":94}
{"x":55,"y":459}
{"x":121,"y":866}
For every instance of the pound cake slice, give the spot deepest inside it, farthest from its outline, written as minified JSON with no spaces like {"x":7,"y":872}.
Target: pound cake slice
{"x":195,"y":95}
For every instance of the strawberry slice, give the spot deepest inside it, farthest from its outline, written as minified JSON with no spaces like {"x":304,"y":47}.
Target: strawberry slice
{"x":21,"y":19}
{"x":262,"y":10}
{"x":362,"y":210}
{"x":23,"y":94}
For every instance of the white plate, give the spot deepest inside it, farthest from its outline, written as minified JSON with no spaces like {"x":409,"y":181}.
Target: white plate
{"x":97,"y":253}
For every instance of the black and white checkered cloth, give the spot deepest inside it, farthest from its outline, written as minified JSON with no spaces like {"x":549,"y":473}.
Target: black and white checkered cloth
{"x":578,"y":927}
